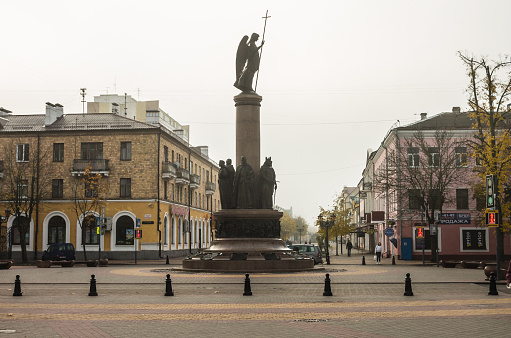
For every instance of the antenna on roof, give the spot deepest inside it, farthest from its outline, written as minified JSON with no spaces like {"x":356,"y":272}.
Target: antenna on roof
{"x":83,"y":99}
{"x":125,"y":107}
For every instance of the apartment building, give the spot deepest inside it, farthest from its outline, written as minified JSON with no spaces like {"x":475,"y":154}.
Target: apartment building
{"x":389,"y":212}
{"x":155,"y":182}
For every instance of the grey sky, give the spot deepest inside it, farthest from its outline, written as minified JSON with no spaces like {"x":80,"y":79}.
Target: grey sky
{"x":335,"y":75}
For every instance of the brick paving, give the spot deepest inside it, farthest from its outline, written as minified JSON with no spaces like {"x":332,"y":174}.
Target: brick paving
{"x":367,"y":301}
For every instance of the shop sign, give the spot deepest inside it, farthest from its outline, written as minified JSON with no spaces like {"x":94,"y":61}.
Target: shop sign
{"x":454,"y":218}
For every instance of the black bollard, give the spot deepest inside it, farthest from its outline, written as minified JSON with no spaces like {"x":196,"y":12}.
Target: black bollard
{"x":168,"y":286}
{"x":17,"y":287}
{"x":328,"y":289}
{"x":363,"y":260}
{"x":92,"y":291}
{"x":493,"y":285}
{"x":408,"y":285}
{"x":167,"y":262}
{"x":248,"y":291}
{"x":393,"y":260}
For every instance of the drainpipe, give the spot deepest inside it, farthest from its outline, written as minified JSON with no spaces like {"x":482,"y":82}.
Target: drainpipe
{"x":399,"y":207}
{"x":37,"y":200}
{"x":158,"y":219}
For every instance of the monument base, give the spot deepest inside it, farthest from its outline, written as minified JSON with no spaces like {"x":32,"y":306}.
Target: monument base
{"x":248,"y":243}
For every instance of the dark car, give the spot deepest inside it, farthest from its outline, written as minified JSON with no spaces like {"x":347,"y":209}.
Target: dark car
{"x":309,"y":250}
{"x":59,"y":252}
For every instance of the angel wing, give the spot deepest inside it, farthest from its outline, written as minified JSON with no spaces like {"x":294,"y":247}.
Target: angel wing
{"x":241,"y":56}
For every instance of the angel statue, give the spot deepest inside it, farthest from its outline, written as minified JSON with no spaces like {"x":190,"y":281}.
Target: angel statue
{"x":247,"y":62}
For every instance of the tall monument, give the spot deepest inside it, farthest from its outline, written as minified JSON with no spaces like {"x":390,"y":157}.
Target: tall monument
{"x":247,"y":227}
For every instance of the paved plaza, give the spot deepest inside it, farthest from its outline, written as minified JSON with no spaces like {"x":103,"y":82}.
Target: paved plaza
{"x":367,"y":301}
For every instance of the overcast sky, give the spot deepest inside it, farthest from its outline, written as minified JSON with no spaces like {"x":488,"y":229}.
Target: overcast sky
{"x":334,"y":76}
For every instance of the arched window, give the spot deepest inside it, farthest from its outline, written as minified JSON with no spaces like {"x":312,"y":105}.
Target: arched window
{"x":89,"y":232}
{"x":196,"y":231}
{"x":56,"y":230}
{"x":186,"y":228}
{"x":23,"y":223}
{"x":125,"y":230}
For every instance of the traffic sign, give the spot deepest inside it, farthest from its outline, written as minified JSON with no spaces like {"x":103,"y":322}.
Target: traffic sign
{"x":388,"y":232}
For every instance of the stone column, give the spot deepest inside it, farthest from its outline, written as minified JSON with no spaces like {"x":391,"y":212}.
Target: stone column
{"x":248,"y":125}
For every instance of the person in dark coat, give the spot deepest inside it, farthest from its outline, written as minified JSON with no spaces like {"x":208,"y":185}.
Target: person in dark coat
{"x":349,"y":246}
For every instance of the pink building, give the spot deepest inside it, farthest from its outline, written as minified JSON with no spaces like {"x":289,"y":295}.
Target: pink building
{"x":390,"y":209}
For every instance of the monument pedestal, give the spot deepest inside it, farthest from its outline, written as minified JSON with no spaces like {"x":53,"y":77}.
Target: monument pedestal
{"x":248,"y":241}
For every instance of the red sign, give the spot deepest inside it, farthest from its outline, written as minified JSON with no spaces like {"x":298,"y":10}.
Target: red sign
{"x":420,"y":232}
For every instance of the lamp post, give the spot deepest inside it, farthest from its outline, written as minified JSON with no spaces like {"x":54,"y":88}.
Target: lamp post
{"x":326,"y":224}
{"x":300,"y":229}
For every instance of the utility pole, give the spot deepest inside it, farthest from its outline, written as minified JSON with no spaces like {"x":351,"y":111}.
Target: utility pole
{"x":83,"y":99}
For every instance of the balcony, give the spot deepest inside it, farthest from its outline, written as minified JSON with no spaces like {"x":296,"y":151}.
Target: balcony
{"x":1,"y":169}
{"x":182,"y":176}
{"x":194,"y":181}
{"x":95,"y":166}
{"x":168,"y":170}
{"x":210,"y":188}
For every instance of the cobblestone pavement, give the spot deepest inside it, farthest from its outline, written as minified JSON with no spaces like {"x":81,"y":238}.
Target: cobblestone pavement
{"x":367,"y":301}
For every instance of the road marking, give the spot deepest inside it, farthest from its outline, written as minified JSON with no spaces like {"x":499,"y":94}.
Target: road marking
{"x":193,"y":316}
{"x":341,"y":305}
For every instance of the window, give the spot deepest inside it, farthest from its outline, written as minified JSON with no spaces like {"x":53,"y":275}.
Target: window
{"x":461,"y":199}
{"x":173,"y":231}
{"x":172,"y":191}
{"x":125,"y":230}
{"x":435,"y":199}
{"x":91,"y":188}
{"x":179,"y":231}
{"x":165,"y":154}
{"x":165,"y":230}
{"x":58,"y":152}
{"x":56,"y":230}
{"x":57,"y":188}
{"x":474,"y":239}
{"x":125,"y":187}
{"x":172,"y":156}
{"x":22,"y":153}
{"x":434,"y":157}
{"x":125,"y":151}
{"x":461,"y":156}
{"x":22,"y":223}
{"x":89,"y":231}
{"x":413,"y":199}
{"x":165,"y":188}
{"x":427,"y":240}
{"x":22,"y":189}
{"x":92,"y":151}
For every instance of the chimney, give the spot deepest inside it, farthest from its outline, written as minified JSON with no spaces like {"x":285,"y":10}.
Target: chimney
{"x":456,"y":109}
{"x":53,"y":112}
{"x":423,"y":116}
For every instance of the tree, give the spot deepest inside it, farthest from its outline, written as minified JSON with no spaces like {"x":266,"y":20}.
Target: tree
{"x":425,"y":167}
{"x":26,"y":184}
{"x":87,"y":197}
{"x":287,"y":226}
{"x":343,"y":210}
{"x":489,"y":92}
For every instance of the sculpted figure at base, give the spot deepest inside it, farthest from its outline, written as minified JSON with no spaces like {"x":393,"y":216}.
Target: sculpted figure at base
{"x":247,"y":62}
{"x":225,"y":186}
{"x":266,"y":185}
{"x":243,"y":185}
{"x":231,"y":172}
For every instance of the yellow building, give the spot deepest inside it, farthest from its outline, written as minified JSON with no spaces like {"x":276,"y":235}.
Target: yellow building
{"x":151,"y":173}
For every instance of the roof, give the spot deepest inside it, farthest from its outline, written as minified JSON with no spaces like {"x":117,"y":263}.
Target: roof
{"x":17,"y":123}
{"x":450,"y":120}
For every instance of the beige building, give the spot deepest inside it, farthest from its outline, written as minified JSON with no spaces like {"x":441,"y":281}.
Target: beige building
{"x":153,"y":178}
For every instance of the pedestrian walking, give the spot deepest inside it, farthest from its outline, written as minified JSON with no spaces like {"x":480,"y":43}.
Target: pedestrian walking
{"x":508,"y":276}
{"x":377,"y":250}
{"x":348,"y":247}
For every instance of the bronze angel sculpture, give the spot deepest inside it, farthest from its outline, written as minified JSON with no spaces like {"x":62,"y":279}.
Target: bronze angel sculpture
{"x":247,"y":62}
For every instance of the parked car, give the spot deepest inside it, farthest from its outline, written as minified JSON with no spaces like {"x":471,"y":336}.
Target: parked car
{"x":309,"y":250}
{"x":59,"y":252}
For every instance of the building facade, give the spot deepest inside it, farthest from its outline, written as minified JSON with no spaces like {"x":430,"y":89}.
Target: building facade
{"x":151,"y":176}
{"x":389,"y":212}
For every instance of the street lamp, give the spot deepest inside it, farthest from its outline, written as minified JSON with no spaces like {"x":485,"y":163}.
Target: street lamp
{"x":326,"y":224}
{"x":300,"y":229}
